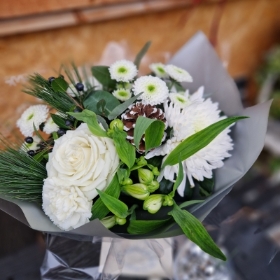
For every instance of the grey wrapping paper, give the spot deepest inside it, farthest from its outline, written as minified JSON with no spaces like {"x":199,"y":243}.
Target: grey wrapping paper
{"x":200,"y":60}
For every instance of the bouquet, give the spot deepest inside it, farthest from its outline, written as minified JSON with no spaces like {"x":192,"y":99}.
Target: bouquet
{"x":144,"y":156}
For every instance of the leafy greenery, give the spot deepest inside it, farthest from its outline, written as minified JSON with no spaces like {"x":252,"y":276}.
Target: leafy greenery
{"x":199,"y":140}
{"x":99,"y":210}
{"x":42,"y":89}
{"x":196,"y":232}
{"x":93,"y":102}
{"x":143,"y":227}
{"x":153,"y":130}
{"x":141,"y":54}
{"x":90,"y":119}
{"x":21,"y":175}
{"x":102,"y":75}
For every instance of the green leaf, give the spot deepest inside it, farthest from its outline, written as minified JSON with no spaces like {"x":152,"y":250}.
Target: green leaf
{"x":99,"y":210}
{"x":197,"y":141}
{"x":153,"y":130}
{"x":59,"y":85}
{"x":102,"y":75}
{"x":90,"y":119}
{"x":116,"y":206}
{"x":122,"y":107}
{"x":154,"y":134}
{"x":196,"y":232}
{"x":125,"y":150}
{"x":189,"y":203}
{"x":40,"y":156}
{"x":122,"y":174}
{"x":143,"y":227}
{"x":165,"y":186}
{"x":142,"y":52}
{"x":102,"y":121}
{"x":59,"y":121}
{"x":179,"y":179}
{"x":94,"y":102}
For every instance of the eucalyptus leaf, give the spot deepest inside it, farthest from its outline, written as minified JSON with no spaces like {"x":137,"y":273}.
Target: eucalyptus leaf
{"x":59,"y":121}
{"x":153,"y":130}
{"x":122,"y":107}
{"x":99,"y":210}
{"x":116,"y":206}
{"x":102,"y":75}
{"x":95,"y":101}
{"x":125,"y":150}
{"x":59,"y":85}
{"x":143,"y":227}
{"x":196,"y":232}
{"x":199,"y":140}
{"x":90,"y":119}
{"x":141,"y":54}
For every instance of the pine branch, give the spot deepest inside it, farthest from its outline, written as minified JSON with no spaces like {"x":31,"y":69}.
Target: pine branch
{"x":42,"y":89}
{"x":21,"y":176}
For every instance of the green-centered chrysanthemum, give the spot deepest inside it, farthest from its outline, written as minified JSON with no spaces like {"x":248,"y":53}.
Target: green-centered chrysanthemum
{"x":122,"y":94}
{"x":158,"y":69}
{"x":178,"y":74}
{"x":123,"y":71}
{"x":154,"y":90}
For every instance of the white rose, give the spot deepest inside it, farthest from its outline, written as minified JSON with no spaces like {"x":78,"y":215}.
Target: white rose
{"x":82,"y":159}
{"x":66,"y":206}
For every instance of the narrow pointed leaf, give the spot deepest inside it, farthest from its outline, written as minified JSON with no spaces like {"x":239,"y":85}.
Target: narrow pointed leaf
{"x":179,"y":179}
{"x":116,"y":206}
{"x":143,"y":227}
{"x":189,"y":203}
{"x":122,"y":107}
{"x":153,"y":130}
{"x":196,"y":232}
{"x":141,"y":54}
{"x":90,"y":119}
{"x":99,"y":210}
{"x":197,"y":141}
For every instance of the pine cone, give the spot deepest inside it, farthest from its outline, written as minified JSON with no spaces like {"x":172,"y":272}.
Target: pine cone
{"x":130,"y":116}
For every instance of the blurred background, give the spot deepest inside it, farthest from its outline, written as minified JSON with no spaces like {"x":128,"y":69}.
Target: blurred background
{"x":37,"y":36}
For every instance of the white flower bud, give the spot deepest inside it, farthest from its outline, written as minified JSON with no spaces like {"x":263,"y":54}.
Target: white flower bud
{"x":153,"y":203}
{"x":145,"y":176}
{"x":139,"y":191}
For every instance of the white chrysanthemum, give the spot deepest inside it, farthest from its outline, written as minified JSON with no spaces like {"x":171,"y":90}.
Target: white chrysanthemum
{"x":158,"y":69}
{"x":154,"y":90}
{"x":50,"y":126}
{"x":34,"y":115}
{"x":123,"y":70}
{"x":33,"y":146}
{"x":178,"y":74}
{"x":186,"y":122}
{"x":184,"y":99}
{"x":122,"y":94}
{"x":66,"y":205}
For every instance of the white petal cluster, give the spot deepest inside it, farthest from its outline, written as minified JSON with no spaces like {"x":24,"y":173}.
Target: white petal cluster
{"x":50,"y":126}
{"x":33,"y":116}
{"x":123,"y":71}
{"x":158,"y":69}
{"x":185,"y":122}
{"x":178,"y":74}
{"x":154,"y":90}
{"x":66,"y":205}
{"x":122,"y":94}
{"x":82,"y":161}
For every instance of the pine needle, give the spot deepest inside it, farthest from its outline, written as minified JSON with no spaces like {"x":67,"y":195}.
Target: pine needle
{"x":21,"y":176}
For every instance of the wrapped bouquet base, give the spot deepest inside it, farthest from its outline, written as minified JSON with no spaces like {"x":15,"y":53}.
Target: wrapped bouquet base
{"x":200,"y":60}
